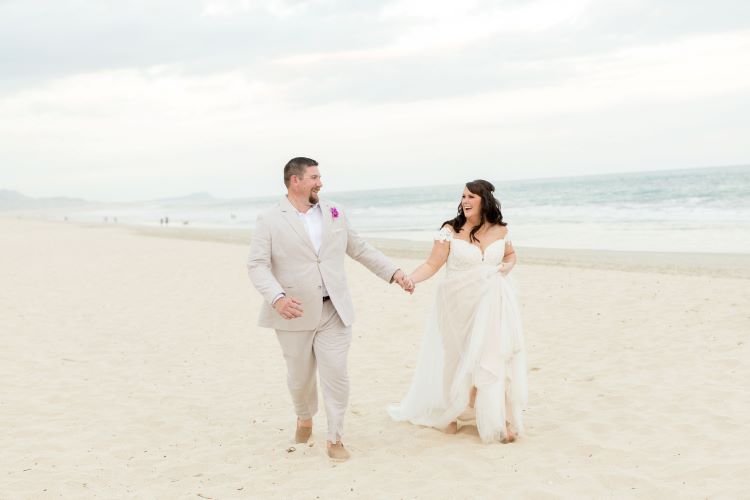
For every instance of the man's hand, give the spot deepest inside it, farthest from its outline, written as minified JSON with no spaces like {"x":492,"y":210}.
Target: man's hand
{"x":288,"y":308}
{"x":403,"y":281}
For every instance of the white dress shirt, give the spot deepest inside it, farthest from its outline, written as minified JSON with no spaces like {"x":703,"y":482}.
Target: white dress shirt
{"x":313,"y":222}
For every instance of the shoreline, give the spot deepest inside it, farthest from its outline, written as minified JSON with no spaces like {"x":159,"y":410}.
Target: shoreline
{"x":718,"y":265}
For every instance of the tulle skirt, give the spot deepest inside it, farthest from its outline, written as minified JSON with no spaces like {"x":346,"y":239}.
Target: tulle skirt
{"x":473,"y":338}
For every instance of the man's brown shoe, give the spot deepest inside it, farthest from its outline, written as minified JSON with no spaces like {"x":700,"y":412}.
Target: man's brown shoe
{"x":302,"y":435}
{"x":338,"y":452}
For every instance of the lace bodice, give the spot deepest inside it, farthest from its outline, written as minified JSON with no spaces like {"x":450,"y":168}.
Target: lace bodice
{"x":464,"y":255}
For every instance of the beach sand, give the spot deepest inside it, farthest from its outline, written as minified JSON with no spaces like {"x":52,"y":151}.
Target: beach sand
{"x":131,"y":367}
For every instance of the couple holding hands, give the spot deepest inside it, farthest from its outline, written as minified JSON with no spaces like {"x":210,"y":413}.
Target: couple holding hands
{"x":471,"y":365}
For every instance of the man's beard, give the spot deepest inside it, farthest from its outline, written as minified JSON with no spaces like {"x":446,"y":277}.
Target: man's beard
{"x":313,"y":198}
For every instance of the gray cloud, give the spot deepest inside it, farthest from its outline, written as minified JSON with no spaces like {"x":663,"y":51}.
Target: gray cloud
{"x":506,"y":61}
{"x":347,"y":62}
{"x":64,"y":38}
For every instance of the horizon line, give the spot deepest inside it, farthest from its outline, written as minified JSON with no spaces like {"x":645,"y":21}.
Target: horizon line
{"x":345,"y":191}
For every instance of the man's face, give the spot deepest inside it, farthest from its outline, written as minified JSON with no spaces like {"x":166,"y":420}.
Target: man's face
{"x":309,"y":184}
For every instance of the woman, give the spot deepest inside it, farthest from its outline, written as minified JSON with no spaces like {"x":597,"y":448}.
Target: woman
{"x":471,"y":364}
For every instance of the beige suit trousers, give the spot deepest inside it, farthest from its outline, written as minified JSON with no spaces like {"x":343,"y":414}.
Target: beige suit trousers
{"x":326,"y":349}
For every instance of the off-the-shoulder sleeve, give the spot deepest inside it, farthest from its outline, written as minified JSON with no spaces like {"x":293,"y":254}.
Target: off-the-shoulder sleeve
{"x":445,"y":234}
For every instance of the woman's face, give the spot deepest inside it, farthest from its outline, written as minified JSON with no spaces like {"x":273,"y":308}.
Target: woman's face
{"x":471,"y":204}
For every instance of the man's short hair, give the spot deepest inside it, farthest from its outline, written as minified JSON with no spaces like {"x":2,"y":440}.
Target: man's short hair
{"x":297,"y":166}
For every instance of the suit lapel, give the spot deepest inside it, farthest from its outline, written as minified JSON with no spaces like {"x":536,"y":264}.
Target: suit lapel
{"x":289,"y":213}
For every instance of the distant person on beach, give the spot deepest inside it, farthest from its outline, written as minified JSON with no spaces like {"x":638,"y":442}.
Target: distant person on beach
{"x":296,"y":262}
{"x":472,"y":364}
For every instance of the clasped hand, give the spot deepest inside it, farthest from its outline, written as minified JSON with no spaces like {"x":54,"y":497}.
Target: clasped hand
{"x":404,"y":281}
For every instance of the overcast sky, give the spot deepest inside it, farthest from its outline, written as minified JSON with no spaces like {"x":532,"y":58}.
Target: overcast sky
{"x":123,"y":100}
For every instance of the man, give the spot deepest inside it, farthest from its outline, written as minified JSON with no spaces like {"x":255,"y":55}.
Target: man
{"x":297,"y":264}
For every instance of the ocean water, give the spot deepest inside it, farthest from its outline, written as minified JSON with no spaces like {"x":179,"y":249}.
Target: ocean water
{"x":696,"y":210}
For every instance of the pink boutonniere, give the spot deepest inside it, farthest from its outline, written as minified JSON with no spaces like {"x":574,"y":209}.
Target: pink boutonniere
{"x":334,"y":213}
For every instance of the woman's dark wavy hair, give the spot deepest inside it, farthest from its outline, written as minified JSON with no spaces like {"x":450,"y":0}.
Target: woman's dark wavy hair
{"x":490,"y":209}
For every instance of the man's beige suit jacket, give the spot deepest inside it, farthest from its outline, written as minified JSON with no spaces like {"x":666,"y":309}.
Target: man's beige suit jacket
{"x":283,"y":260}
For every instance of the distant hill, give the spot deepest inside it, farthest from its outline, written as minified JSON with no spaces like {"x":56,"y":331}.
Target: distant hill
{"x":8,"y":195}
{"x":13,"y":200}
{"x":10,"y":200}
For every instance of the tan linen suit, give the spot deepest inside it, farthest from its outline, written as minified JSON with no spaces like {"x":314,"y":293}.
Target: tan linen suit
{"x":283,"y":260}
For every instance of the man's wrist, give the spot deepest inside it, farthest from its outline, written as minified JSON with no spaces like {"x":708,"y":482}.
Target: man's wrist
{"x":277,"y":298}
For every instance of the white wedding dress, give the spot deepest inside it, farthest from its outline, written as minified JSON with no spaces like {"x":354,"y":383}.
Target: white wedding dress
{"x":473,"y":337}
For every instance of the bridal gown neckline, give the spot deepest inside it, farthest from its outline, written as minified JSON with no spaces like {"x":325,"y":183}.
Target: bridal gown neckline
{"x":482,"y":252}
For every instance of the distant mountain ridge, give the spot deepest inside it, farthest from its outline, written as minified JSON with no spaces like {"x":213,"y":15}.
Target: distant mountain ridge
{"x":8,"y":195}
{"x":13,"y":200}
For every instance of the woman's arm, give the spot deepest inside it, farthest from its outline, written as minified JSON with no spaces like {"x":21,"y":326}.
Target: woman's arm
{"x":509,"y":259}
{"x":434,"y":262}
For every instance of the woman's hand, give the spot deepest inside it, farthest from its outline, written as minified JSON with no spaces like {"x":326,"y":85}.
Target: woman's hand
{"x":409,"y":285}
{"x":504,"y":269}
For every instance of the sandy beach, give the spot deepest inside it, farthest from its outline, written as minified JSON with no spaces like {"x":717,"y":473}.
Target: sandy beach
{"x":131,"y":367}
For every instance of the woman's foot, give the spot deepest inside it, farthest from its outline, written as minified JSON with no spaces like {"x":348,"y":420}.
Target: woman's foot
{"x":452,"y":428}
{"x":510,"y":436}
{"x":468,"y":414}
